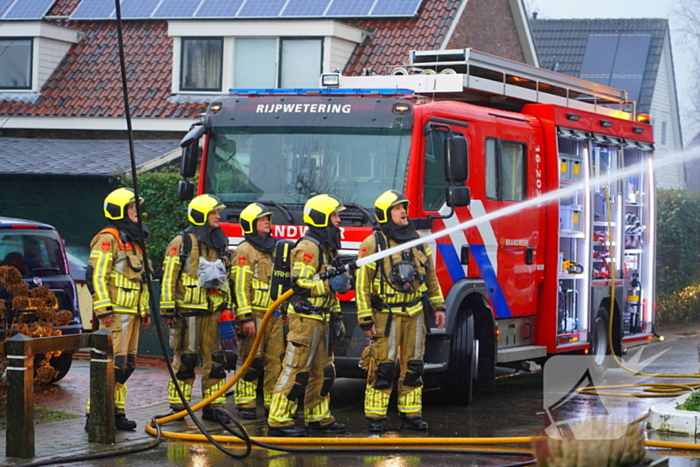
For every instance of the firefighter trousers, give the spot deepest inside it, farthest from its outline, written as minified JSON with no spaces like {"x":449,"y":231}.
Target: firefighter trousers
{"x":125,"y":329}
{"x":306,"y":361}
{"x":405,"y":345}
{"x":189,"y":337}
{"x":268,"y":360}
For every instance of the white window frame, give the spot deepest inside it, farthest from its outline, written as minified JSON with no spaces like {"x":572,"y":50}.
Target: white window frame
{"x":43,"y":36}
{"x":327,"y":31}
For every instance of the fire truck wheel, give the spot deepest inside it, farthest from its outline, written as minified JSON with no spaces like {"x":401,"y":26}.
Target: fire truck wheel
{"x":62,"y":364}
{"x":599,"y":345}
{"x":459,"y":379}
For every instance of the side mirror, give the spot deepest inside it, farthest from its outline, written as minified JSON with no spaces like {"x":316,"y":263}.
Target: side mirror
{"x":458,"y":196}
{"x":193,"y":135}
{"x":456,"y":159}
{"x":185,"y":191}
{"x":190,"y":157}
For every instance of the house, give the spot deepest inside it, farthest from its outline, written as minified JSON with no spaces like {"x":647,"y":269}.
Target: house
{"x":60,"y":76}
{"x":630,"y":54}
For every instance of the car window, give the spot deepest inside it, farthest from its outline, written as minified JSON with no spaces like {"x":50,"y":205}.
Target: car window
{"x":36,"y":253}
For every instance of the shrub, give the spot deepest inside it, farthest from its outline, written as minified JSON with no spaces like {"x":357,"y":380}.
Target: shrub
{"x":163,"y":212}
{"x":678,"y":256}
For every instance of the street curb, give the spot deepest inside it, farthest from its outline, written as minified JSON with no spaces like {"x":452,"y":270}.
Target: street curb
{"x":666,"y":418}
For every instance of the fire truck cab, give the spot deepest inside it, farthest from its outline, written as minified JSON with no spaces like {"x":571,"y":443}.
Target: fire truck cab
{"x":559,"y":193}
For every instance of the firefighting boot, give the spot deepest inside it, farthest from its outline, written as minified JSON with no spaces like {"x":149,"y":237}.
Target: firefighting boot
{"x":315,"y":428}
{"x":375,"y":425}
{"x":285,"y":431}
{"x":123,"y":423}
{"x":209,"y":415}
{"x":247,"y":413}
{"x":414,"y":423}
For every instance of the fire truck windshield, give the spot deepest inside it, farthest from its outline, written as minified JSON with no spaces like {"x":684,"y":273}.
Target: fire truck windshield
{"x":288,"y":165}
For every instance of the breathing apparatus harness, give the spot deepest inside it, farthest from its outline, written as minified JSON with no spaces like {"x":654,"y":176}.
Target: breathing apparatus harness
{"x":401,"y":277}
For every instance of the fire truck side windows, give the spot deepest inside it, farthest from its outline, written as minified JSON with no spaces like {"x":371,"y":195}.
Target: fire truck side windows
{"x":505,"y":170}
{"x":434,"y":179}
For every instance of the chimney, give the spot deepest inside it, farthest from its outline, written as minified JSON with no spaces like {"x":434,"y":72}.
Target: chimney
{"x":534,"y":15}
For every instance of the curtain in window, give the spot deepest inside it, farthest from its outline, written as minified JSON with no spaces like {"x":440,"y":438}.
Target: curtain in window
{"x":201,"y":64}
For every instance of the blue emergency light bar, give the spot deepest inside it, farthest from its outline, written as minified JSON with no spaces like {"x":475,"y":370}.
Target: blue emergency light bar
{"x":322,"y":92}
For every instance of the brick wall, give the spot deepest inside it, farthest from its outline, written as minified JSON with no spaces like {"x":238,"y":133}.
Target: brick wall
{"x":488,"y":26}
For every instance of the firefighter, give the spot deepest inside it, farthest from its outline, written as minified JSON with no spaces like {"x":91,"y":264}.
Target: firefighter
{"x":194,"y":303}
{"x":390,"y":298}
{"x":251,"y":272}
{"x":314,"y":314}
{"x":115,"y":279}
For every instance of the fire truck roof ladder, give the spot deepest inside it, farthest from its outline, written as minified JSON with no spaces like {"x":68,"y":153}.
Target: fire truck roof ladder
{"x":476,"y":77}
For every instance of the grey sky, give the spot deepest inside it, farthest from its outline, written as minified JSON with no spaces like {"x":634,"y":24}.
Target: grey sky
{"x":614,"y":9}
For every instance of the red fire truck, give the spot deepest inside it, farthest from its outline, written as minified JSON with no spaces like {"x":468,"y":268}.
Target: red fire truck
{"x":539,"y":281}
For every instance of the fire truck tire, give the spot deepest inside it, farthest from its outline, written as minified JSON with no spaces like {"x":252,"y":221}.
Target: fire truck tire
{"x":599,"y":344}
{"x":459,"y":379}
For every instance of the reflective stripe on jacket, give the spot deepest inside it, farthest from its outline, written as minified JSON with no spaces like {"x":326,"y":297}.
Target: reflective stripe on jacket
{"x":306,"y":264}
{"x":251,"y":271}
{"x":371,"y":281}
{"x":117,"y":274}
{"x":181,"y":290}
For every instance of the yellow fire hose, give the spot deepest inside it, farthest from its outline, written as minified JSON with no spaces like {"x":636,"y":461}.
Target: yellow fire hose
{"x":328,"y":443}
{"x":653,"y":390}
{"x":650,"y":389}
{"x":331,"y":444}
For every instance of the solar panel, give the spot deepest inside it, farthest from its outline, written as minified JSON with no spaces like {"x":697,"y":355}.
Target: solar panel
{"x":93,"y":9}
{"x":28,"y":9}
{"x":177,"y":9}
{"x":350,"y":8}
{"x":630,"y":63}
{"x":4,"y":5}
{"x":223,"y":9}
{"x":218,"y":9}
{"x":298,"y":8}
{"x":137,"y":9}
{"x":395,"y":8}
{"x":632,"y":53}
{"x":599,"y":58}
{"x":261,"y":9}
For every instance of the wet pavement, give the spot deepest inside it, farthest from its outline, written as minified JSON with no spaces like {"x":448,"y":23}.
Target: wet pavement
{"x":513,"y":408}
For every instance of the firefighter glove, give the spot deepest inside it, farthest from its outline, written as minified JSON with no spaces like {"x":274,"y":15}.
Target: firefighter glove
{"x":338,"y":328}
{"x":341,"y":283}
{"x":227,"y":330}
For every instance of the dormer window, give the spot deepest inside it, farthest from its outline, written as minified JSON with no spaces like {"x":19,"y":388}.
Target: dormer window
{"x":15,"y":63}
{"x":30,"y":52}
{"x":201,"y":64}
{"x":215,"y":56}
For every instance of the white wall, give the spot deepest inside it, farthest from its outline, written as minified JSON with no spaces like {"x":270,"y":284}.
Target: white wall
{"x":664,"y":108}
{"x":51,"y":52}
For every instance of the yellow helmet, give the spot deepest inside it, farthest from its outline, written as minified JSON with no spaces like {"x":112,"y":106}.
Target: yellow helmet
{"x":385,"y":202}
{"x":116,"y":202}
{"x":200,"y":207}
{"x":250,"y":214}
{"x":318,"y":210}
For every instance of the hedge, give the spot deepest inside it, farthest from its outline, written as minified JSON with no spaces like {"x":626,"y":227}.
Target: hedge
{"x":678,"y":256}
{"x":163,"y":213}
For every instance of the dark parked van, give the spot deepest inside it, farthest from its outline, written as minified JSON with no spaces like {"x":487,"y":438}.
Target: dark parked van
{"x":37,"y":251}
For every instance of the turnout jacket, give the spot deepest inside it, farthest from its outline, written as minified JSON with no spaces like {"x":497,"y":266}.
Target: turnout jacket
{"x":371,"y":280}
{"x":115,"y":274}
{"x":306,"y":265}
{"x":180,"y":291}
{"x":251,"y":271}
